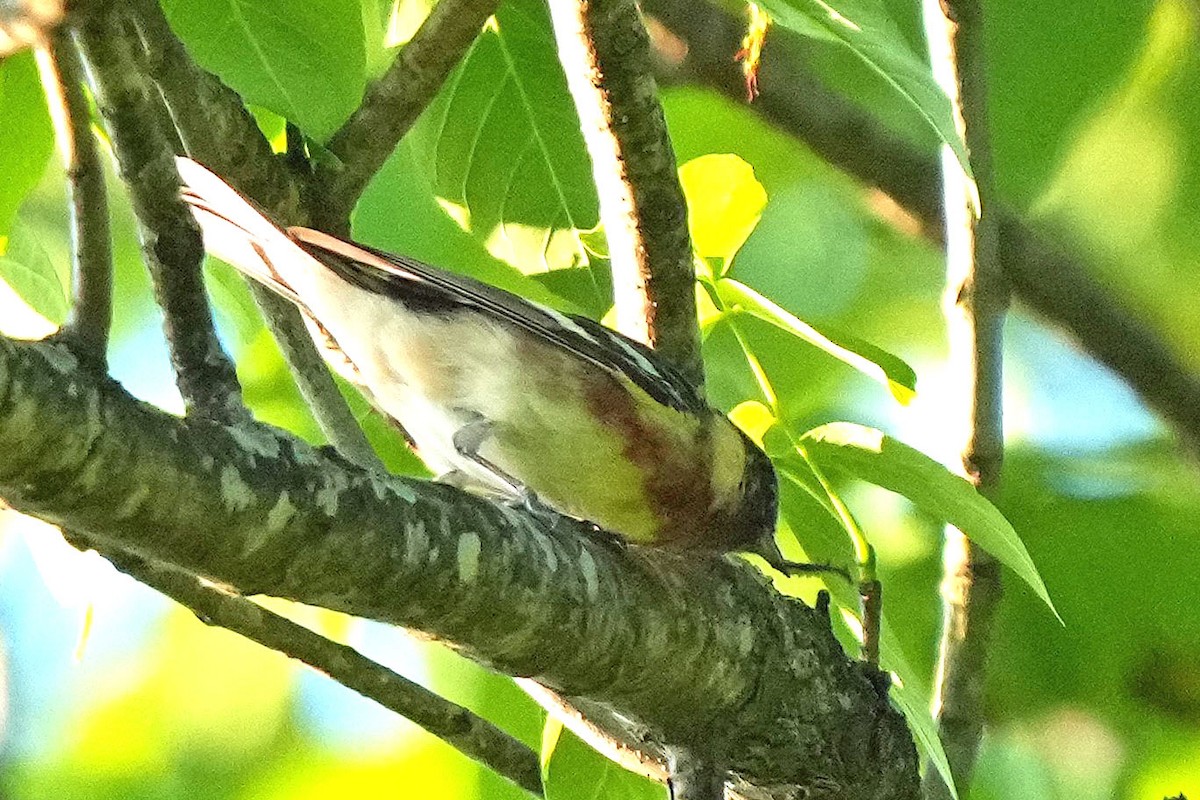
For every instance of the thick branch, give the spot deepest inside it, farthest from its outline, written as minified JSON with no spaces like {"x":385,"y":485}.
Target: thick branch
{"x":170,"y":239}
{"x":454,"y":724}
{"x":701,"y":651}
{"x":977,"y":296}
{"x":605,"y":53}
{"x":1051,"y":280}
{"x":392,"y":104}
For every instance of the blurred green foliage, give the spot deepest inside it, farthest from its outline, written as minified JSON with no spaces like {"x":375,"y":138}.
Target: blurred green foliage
{"x":1096,"y":130}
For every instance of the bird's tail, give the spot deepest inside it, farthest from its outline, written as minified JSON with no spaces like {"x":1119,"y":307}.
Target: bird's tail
{"x":238,"y":233}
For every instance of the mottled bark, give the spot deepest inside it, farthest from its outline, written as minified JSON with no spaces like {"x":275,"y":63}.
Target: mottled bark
{"x":702,"y":652}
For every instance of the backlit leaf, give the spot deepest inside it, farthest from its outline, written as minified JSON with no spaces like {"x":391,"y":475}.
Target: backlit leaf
{"x":873,"y":456}
{"x":303,"y":59}
{"x":502,"y":148}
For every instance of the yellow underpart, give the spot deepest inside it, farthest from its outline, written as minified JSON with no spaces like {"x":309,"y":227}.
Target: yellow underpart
{"x":582,"y":467}
{"x":728,"y":462}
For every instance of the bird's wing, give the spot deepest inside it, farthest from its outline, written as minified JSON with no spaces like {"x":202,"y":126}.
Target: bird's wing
{"x":421,"y":285}
{"x":288,"y":262}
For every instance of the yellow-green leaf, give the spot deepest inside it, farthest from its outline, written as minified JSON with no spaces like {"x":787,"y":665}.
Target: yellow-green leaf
{"x":877,"y":458}
{"x":868,"y":359}
{"x":725,"y":202}
{"x":754,"y":418}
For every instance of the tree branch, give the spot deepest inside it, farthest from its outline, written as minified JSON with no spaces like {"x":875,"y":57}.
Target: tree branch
{"x":391,"y":105}
{"x":470,"y":734}
{"x":700,"y":650}
{"x":90,"y":318}
{"x":217,"y":130}
{"x":602,"y":729}
{"x":693,"y":777}
{"x":214,"y":124}
{"x":977,"y":296}
{"x":1046,"y":277}
{"x":27,"y":23}
{"x":314,"y":380}
{"x":170,"y":239}
{"x":605,"y":53}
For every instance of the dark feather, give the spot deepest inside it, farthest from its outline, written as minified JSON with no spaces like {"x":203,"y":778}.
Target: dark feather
{"x":422,"y":287}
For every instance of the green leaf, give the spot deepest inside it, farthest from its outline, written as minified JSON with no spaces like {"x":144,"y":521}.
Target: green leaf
{"x":823,"y":544}
{"x":912,"y":698}
{"x":865,"y":27}
{"x":871,"y":455}
{"x":376,"y":19}
{"x":303,"y":59}
{"x":754,"y":418}
{"x":725,"y":203}
{"x":872,"y":361}
{"x":26,"y":267}
{"x":502,"y":148}
{"x":26,"y":136}
{"x":573,"y":771}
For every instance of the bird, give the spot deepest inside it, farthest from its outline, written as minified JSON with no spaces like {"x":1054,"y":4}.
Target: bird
{"x":506,"y":396}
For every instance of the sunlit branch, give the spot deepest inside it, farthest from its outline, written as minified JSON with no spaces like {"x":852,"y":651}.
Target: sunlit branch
{"x":1047,"y":277}
{"x":605,"y":53}
{"x":977,"y":296}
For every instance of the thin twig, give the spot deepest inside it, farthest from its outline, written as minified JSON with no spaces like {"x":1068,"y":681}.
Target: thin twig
{"x":976,"y":301}
{"x":90,"y":318}
{"x":313,"y":379}
{"x":171,"y":241}
{"x":392,"y":104}
{"x":870,"y":598}
{"x":1047,"y":277}
{"x":605,"y":53}
{"x":470,"y":734}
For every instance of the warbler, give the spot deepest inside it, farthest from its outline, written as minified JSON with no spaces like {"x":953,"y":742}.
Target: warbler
{"x":499,"y":393}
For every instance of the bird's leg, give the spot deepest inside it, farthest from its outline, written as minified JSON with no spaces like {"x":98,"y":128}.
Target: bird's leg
{"x":467,"y":441}
{"x":769,"y":552}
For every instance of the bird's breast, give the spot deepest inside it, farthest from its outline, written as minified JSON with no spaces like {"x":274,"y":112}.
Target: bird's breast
{"x":586,"y":441}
